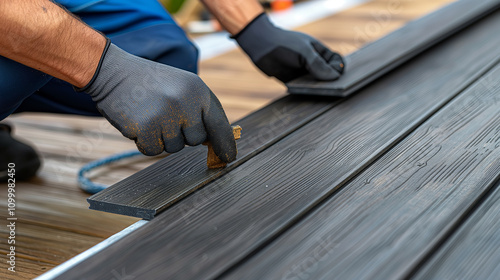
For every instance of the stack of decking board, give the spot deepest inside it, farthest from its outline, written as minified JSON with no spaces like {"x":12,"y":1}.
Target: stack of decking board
{"x":398,"y":180}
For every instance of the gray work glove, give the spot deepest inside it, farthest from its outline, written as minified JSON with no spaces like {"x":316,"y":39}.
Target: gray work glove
{"x":287,"y":55}
{"x":159,"y":106}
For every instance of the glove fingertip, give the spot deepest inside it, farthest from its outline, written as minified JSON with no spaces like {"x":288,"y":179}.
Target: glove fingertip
{"x":325,"y":74}
{"x":224,"y":146}
{"x":227,"y":156}
{"x":149,"y":151}
{"x":219,"y":132}
{"x":322,"y":70}
{"x":149,"y":145}
{"x":337,"y":62}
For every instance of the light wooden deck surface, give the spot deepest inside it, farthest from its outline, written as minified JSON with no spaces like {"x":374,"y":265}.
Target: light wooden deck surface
{"x":54,"y":223}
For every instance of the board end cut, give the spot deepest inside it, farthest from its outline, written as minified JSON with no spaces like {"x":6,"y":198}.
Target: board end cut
{"x":381,"y":56}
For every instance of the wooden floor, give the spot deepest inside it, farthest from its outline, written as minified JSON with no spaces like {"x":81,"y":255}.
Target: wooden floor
{"x":53,"y":221}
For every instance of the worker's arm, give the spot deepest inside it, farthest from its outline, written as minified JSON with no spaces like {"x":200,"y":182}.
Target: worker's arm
{"x":234,"y":15}
{"x":283,"y":54}
{"x":41,"y":35}
{"x":158,"y":106}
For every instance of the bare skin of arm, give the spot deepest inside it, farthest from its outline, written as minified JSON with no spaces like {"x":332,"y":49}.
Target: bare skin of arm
{"x":234,"y":15}
{"x":43,"y":36}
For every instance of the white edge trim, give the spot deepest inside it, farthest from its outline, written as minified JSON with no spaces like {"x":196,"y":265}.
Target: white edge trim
{"x":58,"y":270}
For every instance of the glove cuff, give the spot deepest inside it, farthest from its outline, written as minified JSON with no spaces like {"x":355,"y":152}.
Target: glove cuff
{"x":96,"y":73}
{"x":263,"y":14}
{"x":255,"y":38}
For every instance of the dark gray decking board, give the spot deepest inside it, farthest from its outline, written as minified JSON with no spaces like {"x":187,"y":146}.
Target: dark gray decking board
{"x":473,"y":252}
{"x":381,"y":56}
{"x":151,"y":190}
{"x":145,"y":193}
{"x":383,"y":223}
{"x":232,"y":217}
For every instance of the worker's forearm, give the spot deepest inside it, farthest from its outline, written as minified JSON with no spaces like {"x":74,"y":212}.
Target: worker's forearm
{"x":234,"y":15}
{"x":41,"y":35}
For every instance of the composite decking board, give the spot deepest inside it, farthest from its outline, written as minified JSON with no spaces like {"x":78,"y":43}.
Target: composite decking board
{"x":380,"y":225}
{"x":221,"y":224}
{"x":154,"y":188}
{"x":145,"y":194}
{"x":381,"y":56}
{"x":473,"y":250}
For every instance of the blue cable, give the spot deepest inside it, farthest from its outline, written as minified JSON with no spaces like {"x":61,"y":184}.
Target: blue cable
{"x":90,"y":187}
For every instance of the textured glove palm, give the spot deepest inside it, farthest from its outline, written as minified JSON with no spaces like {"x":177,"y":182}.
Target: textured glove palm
{"x":162,"y":108}
{"x":287,"y":55}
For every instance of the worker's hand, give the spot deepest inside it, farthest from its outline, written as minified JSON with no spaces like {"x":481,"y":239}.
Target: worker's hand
{"x":158,"y":106}
{"x":287,"y":55}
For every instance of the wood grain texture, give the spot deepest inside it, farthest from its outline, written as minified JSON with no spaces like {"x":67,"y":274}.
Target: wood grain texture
{"x":380,"y":225}
{"x":473,"y":251}
{"x":154,"y":188}
{"x":234,"y":216}
{"x":381,"y":56}
{"x":54,"y":223}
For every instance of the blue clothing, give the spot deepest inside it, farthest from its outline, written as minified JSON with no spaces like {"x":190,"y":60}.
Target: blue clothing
{"x":142,"y":28}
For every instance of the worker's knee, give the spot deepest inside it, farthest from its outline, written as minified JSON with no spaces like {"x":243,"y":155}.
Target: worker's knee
{"x":17,"y":82}
{"x":59,"y":97}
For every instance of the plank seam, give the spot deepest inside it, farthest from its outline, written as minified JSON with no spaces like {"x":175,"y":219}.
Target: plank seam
{"x":453,"y":229}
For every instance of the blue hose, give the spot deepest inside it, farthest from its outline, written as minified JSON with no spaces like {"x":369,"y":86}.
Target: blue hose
{"x":90,"y":187}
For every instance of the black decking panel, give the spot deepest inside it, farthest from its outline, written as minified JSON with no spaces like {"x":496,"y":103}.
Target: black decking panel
{"x":149,"y":191}
{"x":385,"y":54}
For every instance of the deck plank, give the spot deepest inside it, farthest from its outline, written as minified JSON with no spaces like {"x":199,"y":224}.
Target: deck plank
{"x":381,"y":56}
{"x":214,"y":228}
{"x":344,"y":32}
{"x":145,"y":194}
